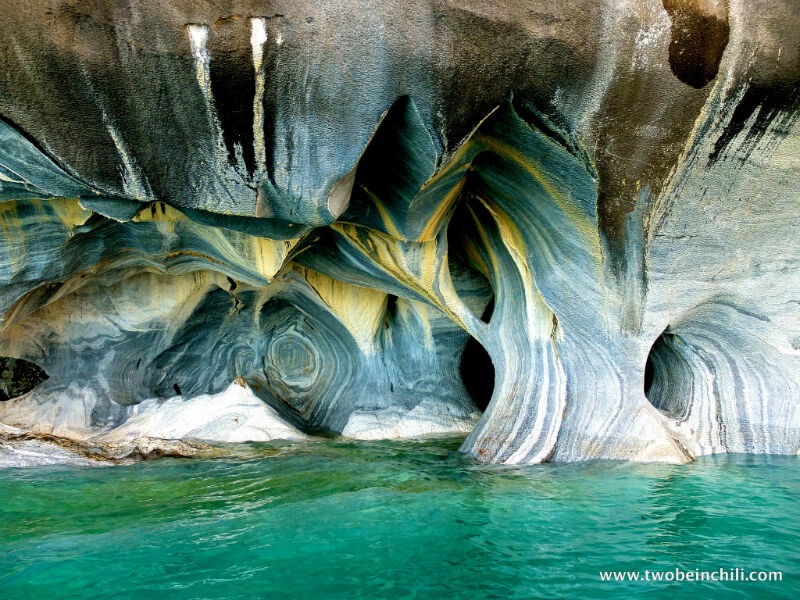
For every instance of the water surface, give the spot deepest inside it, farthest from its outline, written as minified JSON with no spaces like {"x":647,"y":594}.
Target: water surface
{"x":337,"y":519}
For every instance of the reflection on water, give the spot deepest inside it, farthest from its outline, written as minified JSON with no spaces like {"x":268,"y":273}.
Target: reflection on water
{"x":338,"y":519}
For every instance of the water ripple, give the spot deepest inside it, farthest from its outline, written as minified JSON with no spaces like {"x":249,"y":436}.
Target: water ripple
{"x":416,"y":519}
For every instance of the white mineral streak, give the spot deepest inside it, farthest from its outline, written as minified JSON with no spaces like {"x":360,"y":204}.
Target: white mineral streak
{"x":544,"y":383}
{"x":134,"y":183}
{"x":224,"y":187}
{"x":258,"y":38}
{"x":198,"y":36}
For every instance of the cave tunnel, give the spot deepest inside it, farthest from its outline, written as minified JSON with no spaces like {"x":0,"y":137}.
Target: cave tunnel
{"x":476,"y":368}
{"x":18,"y":377}
{"x":668,"y":375}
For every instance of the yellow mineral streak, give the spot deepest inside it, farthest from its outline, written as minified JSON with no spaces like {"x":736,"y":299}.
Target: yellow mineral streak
{"x":69,"y":211}
{"x":66,"y":210}
{"x":491,"y":270}
{"x":540,"y":317}
{"x":417,"y":312}
{"x":419,"y":269}
{"x":584,"y":225}
{"x":439,"y":216}
{"x":270,"y":255}
{"x":386,"y":217}
{"x":159,"y":212}
{"x":360,"y":310}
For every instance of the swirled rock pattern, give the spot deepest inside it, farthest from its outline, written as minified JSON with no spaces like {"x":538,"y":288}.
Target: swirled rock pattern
{"x":277,"y":219}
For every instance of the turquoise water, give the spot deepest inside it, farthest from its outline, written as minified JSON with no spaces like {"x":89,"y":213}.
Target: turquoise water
{"x":349,"y":520}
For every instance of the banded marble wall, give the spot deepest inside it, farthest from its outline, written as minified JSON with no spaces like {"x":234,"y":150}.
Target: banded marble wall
{"x":567,"y":230}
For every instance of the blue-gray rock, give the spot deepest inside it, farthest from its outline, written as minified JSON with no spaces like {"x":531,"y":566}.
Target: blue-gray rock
{"x":568,"y":230}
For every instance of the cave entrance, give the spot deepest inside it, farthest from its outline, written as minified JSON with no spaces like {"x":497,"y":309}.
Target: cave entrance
{"x":649,"y":374}
{"x":476,"y":368}
{"x":18,"y":377}
{"x":668,"y":375}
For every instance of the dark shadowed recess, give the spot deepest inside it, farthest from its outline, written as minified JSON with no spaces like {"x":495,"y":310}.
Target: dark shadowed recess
{"x":233,"y":84}
{"x":668,"y":375}
{"x":476,"y":368}
{"x":697,"y":42}
{"x":18,"y":377}
{"x":649,"y":375}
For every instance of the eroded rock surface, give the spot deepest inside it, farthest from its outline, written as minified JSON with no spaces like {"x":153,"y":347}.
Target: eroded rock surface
{"x":265,"y":219}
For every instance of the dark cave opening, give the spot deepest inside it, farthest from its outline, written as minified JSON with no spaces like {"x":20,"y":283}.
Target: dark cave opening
{"x":18,"y":377}
{"x":476,"y":368}
{"x":654,"y":367}
{"x":649,"y":374}
{"x":391,"y":310}
{"x":668,"y":377}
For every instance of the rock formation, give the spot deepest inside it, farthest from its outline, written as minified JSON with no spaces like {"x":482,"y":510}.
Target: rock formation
{"x":568,"y":229}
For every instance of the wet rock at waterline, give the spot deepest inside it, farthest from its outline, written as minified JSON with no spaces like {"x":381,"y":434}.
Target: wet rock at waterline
{"x":568,"y":230}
